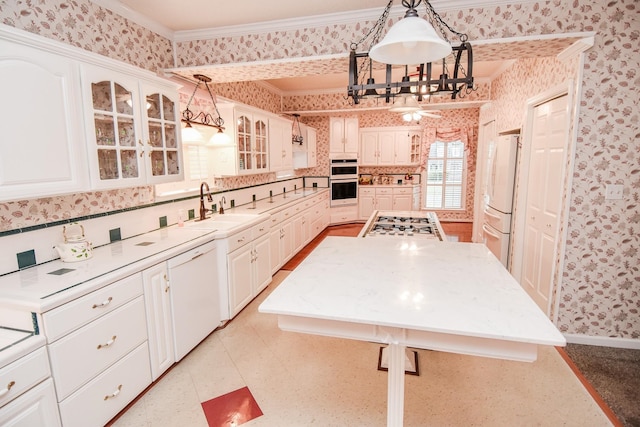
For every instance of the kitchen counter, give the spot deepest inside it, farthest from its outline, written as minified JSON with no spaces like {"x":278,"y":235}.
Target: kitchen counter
{"x":406,"y":292}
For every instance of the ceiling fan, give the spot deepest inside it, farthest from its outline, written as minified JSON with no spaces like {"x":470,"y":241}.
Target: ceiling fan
{"x":410,"y":109}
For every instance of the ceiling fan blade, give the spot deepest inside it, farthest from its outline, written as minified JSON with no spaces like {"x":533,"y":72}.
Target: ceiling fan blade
{"x":430,"y":114}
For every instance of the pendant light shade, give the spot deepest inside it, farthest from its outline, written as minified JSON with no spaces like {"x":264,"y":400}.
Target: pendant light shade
{"x":412,"y":40}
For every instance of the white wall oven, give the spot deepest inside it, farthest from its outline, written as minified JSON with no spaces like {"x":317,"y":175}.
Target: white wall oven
{"x":344,"y":182}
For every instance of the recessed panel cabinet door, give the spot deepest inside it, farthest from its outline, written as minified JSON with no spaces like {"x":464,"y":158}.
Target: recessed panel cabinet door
{"x":41,"y":148}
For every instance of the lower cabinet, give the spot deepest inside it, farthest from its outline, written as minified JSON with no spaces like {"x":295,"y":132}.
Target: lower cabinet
{"x":389,"y":198}
{"x":36,"y":407}
{"x":98,"y":352}
{"x":280,"y":241}
{"x":157,"y":299}
{"x":249,"y":266}
{"x":108,"y":393}
{"x":342,"y":214}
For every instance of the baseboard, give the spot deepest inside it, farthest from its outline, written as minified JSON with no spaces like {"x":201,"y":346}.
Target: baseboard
{"x":603,"y":341}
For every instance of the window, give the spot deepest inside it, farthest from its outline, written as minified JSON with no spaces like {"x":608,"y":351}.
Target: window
{"x":445,"y":175}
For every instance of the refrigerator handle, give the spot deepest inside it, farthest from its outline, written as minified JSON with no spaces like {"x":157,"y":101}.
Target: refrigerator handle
{"x":489,"y":214}
{"x":487,"y":231}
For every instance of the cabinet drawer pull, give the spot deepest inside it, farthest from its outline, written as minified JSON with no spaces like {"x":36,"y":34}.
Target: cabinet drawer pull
{"x":114,"y":394}
{"x":7,"y":388}
{"x":108,"y":343}
{"x":103,"y":303}
{"x":241,"y":240}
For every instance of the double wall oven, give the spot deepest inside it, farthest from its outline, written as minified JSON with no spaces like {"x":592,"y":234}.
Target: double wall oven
{"x":344,"y":182}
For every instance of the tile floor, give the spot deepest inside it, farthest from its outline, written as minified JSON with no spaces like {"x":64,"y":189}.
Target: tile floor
{"x":281,"y":378}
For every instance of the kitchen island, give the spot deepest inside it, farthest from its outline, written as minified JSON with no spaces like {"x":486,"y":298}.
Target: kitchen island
{"x":453,"y":297}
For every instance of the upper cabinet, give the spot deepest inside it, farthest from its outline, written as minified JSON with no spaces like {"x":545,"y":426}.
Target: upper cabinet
{"x":389,"y":146}
{"x":248,"y":130}
{"x":280,"y":148}
{"x":305,"y":155}
{"x":76,"y":121}
{"x":41,"y":150}
{"x":343,"y":135}
{"x":131,"y":129}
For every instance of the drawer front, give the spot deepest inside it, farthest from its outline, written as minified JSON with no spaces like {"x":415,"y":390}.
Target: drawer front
{"x":260,"y":229}
{"x":24,"y":373}
{"x":110,"y":392}
{"x":81,"y":355}
{"x":276,"y":218}
{"x":288,"y":213}
{"x":367,"y":191}
{"x":403,"y":190}
{"x":238,"y":240}
{"x":81,"y":311}
{"x":382,"y":191}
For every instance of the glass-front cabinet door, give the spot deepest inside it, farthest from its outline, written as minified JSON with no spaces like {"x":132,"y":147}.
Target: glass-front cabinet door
{"x":244,"y":136}
{"x":161,"y":136}
{"x":114,"y":140}
{"x":261,"y":148}
{"x":132,"y":130}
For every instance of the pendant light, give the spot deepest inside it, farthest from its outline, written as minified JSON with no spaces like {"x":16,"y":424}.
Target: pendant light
{"x":202,"y":118}
{"x":412,"y":40}
{"x":296,"y":132}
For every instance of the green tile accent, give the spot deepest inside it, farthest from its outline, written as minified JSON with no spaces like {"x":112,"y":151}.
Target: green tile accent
{"x":233,"y":203}
{"x":114,"y":235}
{"x":26,"y":259}
{"x":192,"y":213}
{"x":163,"y":221}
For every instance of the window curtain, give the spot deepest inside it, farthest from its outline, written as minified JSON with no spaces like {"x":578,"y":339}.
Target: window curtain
{"x":432,"y":135}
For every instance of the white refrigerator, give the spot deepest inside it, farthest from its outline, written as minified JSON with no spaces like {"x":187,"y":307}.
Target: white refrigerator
{"x":498,"y":200}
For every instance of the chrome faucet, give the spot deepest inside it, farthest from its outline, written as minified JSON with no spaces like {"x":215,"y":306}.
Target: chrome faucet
{"x":222,"y":202}
{"x":203,"y":210}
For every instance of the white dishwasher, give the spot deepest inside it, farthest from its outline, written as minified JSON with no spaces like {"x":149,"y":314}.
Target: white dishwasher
{"x":195,"y":296}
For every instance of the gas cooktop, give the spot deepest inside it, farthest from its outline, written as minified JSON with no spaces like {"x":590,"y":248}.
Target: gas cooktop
{"x":403,"y":224}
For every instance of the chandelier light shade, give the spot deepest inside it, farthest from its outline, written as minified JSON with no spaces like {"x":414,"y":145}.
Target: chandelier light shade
{"x":202,"y":118}
{"x":412,"y":40}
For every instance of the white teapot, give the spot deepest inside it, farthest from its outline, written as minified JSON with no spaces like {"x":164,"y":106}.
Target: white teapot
{"x":75,"y":246}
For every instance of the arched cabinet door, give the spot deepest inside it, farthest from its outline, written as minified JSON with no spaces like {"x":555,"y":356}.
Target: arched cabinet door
{"x":42,"y":149}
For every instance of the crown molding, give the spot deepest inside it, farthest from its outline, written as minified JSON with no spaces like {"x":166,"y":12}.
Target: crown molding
{"x":577,"y":48}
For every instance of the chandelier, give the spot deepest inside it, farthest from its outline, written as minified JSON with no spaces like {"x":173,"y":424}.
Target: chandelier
{"x":203,"y":118}
{"x":411,"y":41}
{"x":296,"y":131}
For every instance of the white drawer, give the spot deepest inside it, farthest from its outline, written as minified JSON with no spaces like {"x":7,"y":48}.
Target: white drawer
{"x":239,"y":239}
{"x":380,"y":191}
{"x":81,"y":355}
{"x":289,"y":213}
{"x":276,"y":218}
{"x":403,"y":190}
{"x":110,"y":392}
{"x":24,"y":373}
{"x":367,"y":191}
{"x":81,"y":311}
{"x":260,"y":229}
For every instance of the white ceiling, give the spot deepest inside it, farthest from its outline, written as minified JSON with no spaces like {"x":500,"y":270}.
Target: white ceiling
{"x":179,"y":18}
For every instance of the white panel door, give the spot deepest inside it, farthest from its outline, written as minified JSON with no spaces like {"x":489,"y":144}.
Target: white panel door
{"x":544,"y":197}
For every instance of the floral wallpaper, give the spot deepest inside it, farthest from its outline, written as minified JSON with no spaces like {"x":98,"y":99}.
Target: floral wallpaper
{"x":88,"y":26}
{"x":599,"y":293}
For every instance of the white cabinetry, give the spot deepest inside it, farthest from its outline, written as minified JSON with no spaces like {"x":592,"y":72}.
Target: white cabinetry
{"x":98,"y":352}
{"x":342,"y":214}
{"x":305,"y":156}
{"x":387,"y":198}
{"x":248,"y":264}
{"x":37,"y":407}
{"x":157,"y":300}
{"x":343,"y":135}
{"x":281,"y":238}
{"x":28,"y":397}
{"x":248,"y":128}
{"x":389,"y":146}
{"x":280,"y":148}
{"x":132,"y":129}
{"x":42,"y":152}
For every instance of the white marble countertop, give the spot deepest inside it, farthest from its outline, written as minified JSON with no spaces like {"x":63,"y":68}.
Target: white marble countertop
{"x":439,"y":287}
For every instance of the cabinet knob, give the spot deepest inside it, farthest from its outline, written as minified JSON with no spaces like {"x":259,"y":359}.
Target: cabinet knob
{"x":7,"y":388}
{"x":114,"y":394}
{"x":108,"y":343}
{"x":103,"y":303}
